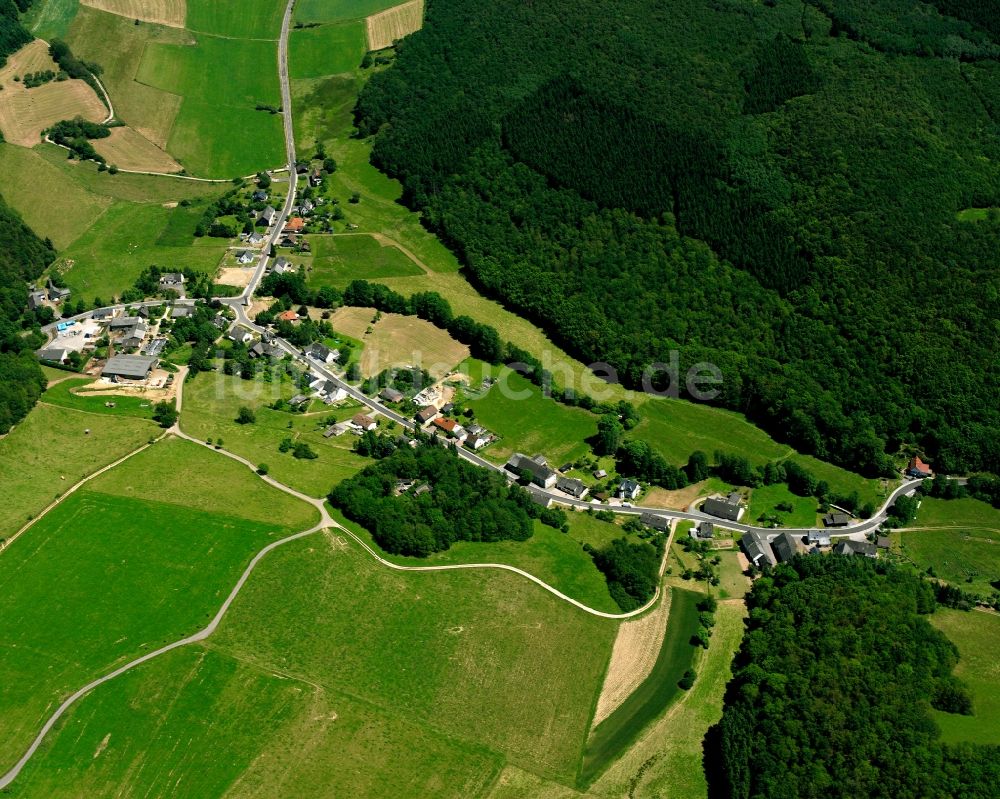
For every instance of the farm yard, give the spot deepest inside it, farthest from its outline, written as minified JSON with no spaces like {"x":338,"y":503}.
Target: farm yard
{"x":385,"y":27}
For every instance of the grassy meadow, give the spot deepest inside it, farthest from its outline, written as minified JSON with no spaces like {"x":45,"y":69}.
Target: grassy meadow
{"x":765,"y":499}
{"x":957,"y":513}
{"x":337,"y":260}
{"x":49,"y":451}
{"x":339,"y":10}
{"x":250,"y":19}
{"x":67,"y":394}
{"x":326,"y":50}
{"x":977,"y":636}
{"x":969,"y":559}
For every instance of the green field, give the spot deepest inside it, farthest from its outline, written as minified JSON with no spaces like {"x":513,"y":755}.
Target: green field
{"x":50,"y":451}
{"x":339,"y":10}
{"x":212,"y":401}
{"x":968,"y":558}
{"x":612,"y":736}
{"x":764,"y":499}
{"x":100,"y":580}
{"x":977,"y":636}
{"x":217,"y":132}
{"x":976,"y":214}
{"x":531,"y":423}
{"x":50,"y":19}
{"x":110,"y":256}
{"x":957,"y":513}
{"x":337,"y":260}
{"x":552,"y":556}
{"x":250,"y":19}
{"x":63,"y":393}
{"x":326,"y":50}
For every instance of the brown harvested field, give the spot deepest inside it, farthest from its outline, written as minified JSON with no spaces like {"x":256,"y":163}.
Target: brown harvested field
{"x":386,"y":26}
{"x":397,"y":340}
{"x":636,"y":648}
{"x":25,"y":113}
{"x":164,"y":12}
{"x":235,"y":276}
{"x":128,"y":149}
{"x":673,"y":500}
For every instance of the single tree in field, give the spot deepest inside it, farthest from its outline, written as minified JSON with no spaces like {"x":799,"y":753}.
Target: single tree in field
{"x":610,"y":433}
{"x":246,"y":416}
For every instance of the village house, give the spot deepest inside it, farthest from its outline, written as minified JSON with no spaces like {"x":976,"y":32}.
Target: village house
{"x":254,"y":239}
{"x":757,"y":549}
{"x":267,"y":215}
{"x":572,"y":486}
{"x":836,"y":519}
{"x":657,"y":522}
{"x":819,"y":538}
{"x":102,"y":314}
{"x":703,"y":531}
{"x":536,"y":468}
{"x":295,"y":225}
{"x":786,"y":546}
{"x":238,"y":334}
{"x":917,"y":468}
{"x":362,"y":422}
{"x":259,"y":196}
{"x":297,"y":400}
{"x":452,"y":428}
{"x":244,"y":257}
{"x":729,"y":508}
{"x":172,"y":280}
{"x":288,"y":316}
{"x":57,"y":293}
{"x":390,"y":394}
{"x":54,"y":354}
{"x":282,"y":266}
{"x":36,"y":299}
{"x":181,"y":311}
{"x":628,"y":489}
{"x":321,"y":353}
{"x":847,"y":547}
{"x":315,"y":178}
{"x":424,"y":415}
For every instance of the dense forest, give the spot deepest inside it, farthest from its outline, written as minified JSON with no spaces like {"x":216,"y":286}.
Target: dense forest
{"x":771,"y":187}
{"x":463,"y":503}
{"x":23,"y":256}
{"x":832,"y":689}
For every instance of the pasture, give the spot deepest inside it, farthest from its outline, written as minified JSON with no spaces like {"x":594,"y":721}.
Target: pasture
{"x":100,"y":580}
{"x":50,"y":19}
{"x":49,"y":451}
{"x":338,"y":10}
{"x":25,"y":113}
{"x":968,"y":558}
{"x":161,"y":12}
{"x":529,"y":422}
{"x":957,"y":513}
{"x":250,"y":19}
{"x":765,"y":499}
{"x":337,"y":260}
{"x":385,"y":27}
{"x":212,"y":401}
{"x":326,"y":50}
{"x":73,"y":393}
{"x":397,"y":340}
{"x":977,"y":636}
{"x":127,"y":149}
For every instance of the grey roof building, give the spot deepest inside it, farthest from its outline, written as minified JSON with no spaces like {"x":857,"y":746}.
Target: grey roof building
{"x":855,"y":548}
{"x":657,"y":522}
{"x":629,"y":489}
{"x":129,"y":367}
{"x":541,"y":475}
{"x":389,"y":394}
{"x":57,"y":354}
{"x":572,"y":486}
{"x":267,"y":215}
{"x":835,"y":519}
{"x":757,"y":549}
{"x":729,"y":508}
{"x":786,"y":546}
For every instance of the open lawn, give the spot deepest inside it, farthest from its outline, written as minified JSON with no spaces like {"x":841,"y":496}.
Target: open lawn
{"x":217,"y":132}
{"x":50,"y":451}
{"x":531,"y":423}
{"x":337,"y":260}
{"x":148,"y":109}
{"x":250,"y":19}
{"x":162,"y":12}
{"x":550,"y":555}
{"x":385,"y":27}
{"x":969,"y":558}
{"x":765,"y":499}
{"x":957,"y":513}
{"x":398,"y":340}
{"x":110,"y":256}
{"x":100,"y":580}
{"x":338,"y":10}
{"x":212,"y":402}
{"x":326,"y":50}
{"x":977,"y":636}
{"x":127,"y":149}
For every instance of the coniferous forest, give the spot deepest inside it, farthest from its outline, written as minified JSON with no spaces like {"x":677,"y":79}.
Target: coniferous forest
{"x":772,"y":187}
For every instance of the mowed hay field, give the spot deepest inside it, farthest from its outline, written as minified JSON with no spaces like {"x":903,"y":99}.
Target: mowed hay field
{"x":398,"y":340}
{"x":163,"y":12}
{"x":337,"y":260}
{"x":326,"y":50}
{"x":25,"y":113}
{"x":386,"y":26}
{"x":127,"y":149}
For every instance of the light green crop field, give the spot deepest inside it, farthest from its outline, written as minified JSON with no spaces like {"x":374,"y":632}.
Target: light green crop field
{"x":212,"y":402}
{"x":217,"y":132}
{"x":337,"y":260}
{"x":339,"y":10}
{"x":552,"y":556}
{"x":764,"y":499}
{"x":50,"y":19}
{"x":968,"y":558}
{"x":66,"y":393}
{"x":50,"y":450}
{"x":957,"y":513}
{"x":977,"y":636}
{"x":250,"y":19}
{"x":110,"y":256}
{"x":99,"y":580}
{"x":529,"y":422}
{"x":326,"y":50}
{"x":200,"y":723}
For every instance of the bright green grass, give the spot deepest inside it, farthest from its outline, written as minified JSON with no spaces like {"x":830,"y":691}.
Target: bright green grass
{"x":337,"y":260}
{"x":50,"y":203}
{"x":198,"y":723}
{"x":63,"y":393}
{"x":50,"y":19}
{"x":589,"y":530}
{"x":326,"y":50}
{"x":109,"y":257}
{"x":339,"y":10}
{"x":843,"y":482}
{"x":764,"y":499}
{"x":531,"y":423}
{"x":249,"y":19}
{"x":957,"y":513}
{"x":969,"y":558}
{"x":217,"y":132}
{"x":212,"y":401}
{"x":98,"y":581}
{"x":487,"y":657}
{"x":977,"y":636}
{"x":49,"y":451}
{"x":617,"y":732}
{"x":975,"y":214}
{"x":733,"y":583}
{"x":180,"y":227}
{"x":553,"y":557}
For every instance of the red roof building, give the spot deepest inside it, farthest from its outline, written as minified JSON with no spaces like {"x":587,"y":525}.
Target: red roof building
{"x":295,"y":225}
{"x":918,"y":468}
{"x":288,"y":316}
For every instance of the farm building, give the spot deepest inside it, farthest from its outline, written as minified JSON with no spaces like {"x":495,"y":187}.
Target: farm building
{"x":541,"y":474}
{"x":729,"y":508}
{"x":123,"y":322}
{"x":129,"y":367}
{"x":390,"y":394}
